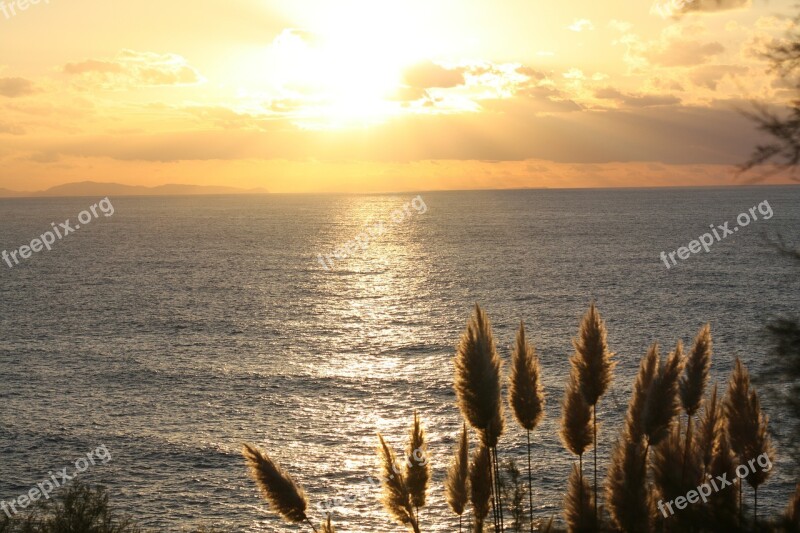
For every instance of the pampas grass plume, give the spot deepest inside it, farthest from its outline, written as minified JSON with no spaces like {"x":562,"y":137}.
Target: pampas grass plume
{"x":480,"y":482}
{"x":525,"y":392}
{"x":477,"y":378}
{"x":627,"y":494}
{"x":661,"y":405}
{"x":709,"y":430}
{"x":592,"y":359}
{"x":576,"y":419}
{"x":647,"y":371}
{"x":457,"y":481}
{"x":578,"y":503}
{"x":283,"y":494}
{"x":693,"y":383}
{"x":396,"y":497}
{"x":418,"y":470}
{"x":746,"y":423}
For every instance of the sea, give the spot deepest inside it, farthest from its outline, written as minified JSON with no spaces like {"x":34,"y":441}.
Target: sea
{"x":179,"y":328}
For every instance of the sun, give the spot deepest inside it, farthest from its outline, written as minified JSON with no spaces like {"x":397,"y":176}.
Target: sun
{"x":349,"y":69}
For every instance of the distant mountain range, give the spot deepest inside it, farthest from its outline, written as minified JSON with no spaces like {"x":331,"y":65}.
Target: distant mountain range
{"x":93,"y":188}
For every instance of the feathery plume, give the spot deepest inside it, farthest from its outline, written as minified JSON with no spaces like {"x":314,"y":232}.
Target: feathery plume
{"x":693,"y":383}
{"x":526,"y":396}
{"x":477,"y":377}
{"x":579,"y":504}
{"x":525,"y":392}
{"x":747,"y":424}
{"x":647,"y":371}
{"x":477,"y":386}
{"x":672,"y":481}
{"x":279,"y":489}
{"x":711,"y":425}
{"x":724,"y":502}
{"x":457,"y":481}
{"x":418,"y":469}
{"x":747,"y":428}
{"x":626,"y":486}
{"x":576,"y":419}
{"x":480,"y":482}
{"x":592,"y":359}
{"x":396,"y":497}
{"x":594,"y":369}
{"x":627,"y":494}
{"x":661,"y":405}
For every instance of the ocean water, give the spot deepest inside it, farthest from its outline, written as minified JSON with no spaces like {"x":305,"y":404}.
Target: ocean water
{"x":181,"y":327}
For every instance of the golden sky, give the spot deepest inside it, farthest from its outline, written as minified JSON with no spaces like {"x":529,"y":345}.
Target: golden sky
{"x":380,"y":95}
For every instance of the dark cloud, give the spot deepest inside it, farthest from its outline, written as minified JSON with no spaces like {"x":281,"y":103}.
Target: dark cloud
{"x":636,"y":100}
{"x":16,"y":87}
{"x":709,"y":76}
{"x":548,"y":99}
{"x":508,"y":130}
{"x":713,"y":5}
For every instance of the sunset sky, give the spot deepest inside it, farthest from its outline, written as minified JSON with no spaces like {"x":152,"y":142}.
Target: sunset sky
{"x":378,"y":95}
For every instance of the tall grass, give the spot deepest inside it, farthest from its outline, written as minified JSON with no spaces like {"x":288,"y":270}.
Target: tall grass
{"x":418,"y":469}
{"x":480,"y":485}
{"x":693,"y":384}
{"x":747,"y":429}
{"x":477,"y":386}
{"x":593,"y":367}
{"x":657,"y":455}
{"x":627,"y":496}
{"x":526,"y":396}
{"x":397,"y":498}
{"x":457,"y":481}
{"x":576,"y":428}
{"x":284,"y":495}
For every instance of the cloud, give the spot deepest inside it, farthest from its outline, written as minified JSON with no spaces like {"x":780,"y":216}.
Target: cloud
{"x":226,"y":118}
{"x":547,"y":99}
{"x":709,"y":76}
{"x":676,"y":8}
{"x":134,"y":69}
{"x":44,"y":157}
{"x":11,"y":129}
{"x":512,"y":129}
{"x":428,"y":74}
{"x":709,"y":6}
{"x":580,"y":25}
{"x":16,"y":87}
{"x":636,"y":100}
{"x":681,"y":53}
